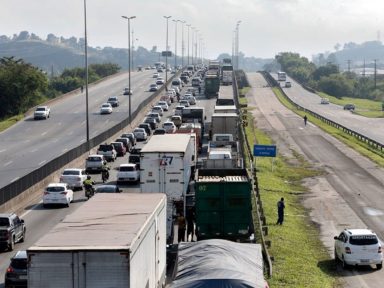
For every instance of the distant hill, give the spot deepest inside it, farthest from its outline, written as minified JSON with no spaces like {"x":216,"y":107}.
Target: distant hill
{"x":54,"y":54}
{"x":357,"y":54}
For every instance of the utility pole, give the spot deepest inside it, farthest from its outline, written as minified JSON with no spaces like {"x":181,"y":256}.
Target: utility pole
{"x":364,"y":69}
{"x":375,"y":72}
{"x":182,"y":44}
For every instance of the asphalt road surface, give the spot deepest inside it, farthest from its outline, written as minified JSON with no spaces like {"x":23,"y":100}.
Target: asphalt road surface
{"x":349,"y":195}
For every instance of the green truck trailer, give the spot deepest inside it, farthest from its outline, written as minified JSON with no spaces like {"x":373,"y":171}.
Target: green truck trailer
{"x":211,"y":84}
{"x":223,"y":204}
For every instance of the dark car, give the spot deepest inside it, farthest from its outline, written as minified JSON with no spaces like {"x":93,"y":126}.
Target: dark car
{"x":121,"y":150}
{"x":152,"y":122}
{"x":350,"y":107}
{"x":107,"y":189}
{"x":114,"y":101}
{"x":146,"y":127}
{"x":16,"y":273}
{"x":134,"y":159}
{"x":130,"y":136}
{"x":184,"y":78}
{"x":159,"y":131}
{"x":153,"y":88}
{"x":126,"y":142}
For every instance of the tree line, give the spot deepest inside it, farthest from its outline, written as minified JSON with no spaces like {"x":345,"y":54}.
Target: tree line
{"x":23,"y":86}
{"x":328,"y":78}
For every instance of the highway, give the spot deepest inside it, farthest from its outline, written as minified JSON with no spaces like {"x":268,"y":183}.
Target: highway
{"x":349,"y":194}
{"x":29,"y":144}
{"x":369,"y":127}
{"x":40,"y":220}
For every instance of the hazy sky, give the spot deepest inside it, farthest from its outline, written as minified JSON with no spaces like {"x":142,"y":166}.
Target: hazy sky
{"x":267,"y":26}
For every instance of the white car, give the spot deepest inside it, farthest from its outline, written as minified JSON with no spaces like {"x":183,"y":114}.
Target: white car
{"x":184,"y":103}
{"x":191,"y":100}
{"x":157,"y":109}
{"x":57,"y":193}
{"x":159,"y":81}
{"x":155,"y":75}
{"x":140,"y":134}
{"x":106,"y":108}
{"x":74,"y":177}
{"x":169,"y":127}
{"x":163,"y":105}
{"x":324,"y":101}
{"x":179,"y":110}
{"x":42,"y":112}
{"x":128,"y":173}
{"x":358,"y":247}
{"x":155,"y":116}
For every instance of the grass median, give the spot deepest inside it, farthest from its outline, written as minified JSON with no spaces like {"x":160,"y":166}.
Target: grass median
{"x":300,"y":259}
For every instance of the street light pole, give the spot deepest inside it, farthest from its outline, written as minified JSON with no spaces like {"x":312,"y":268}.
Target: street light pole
{"x":237,"y":44}
{"x":86,"y":74}
{"x":192,"y":42}
{"x":129,"y":65}
{"x":189,"y":25}
{"x":182,"y":44}
{"x":166,"y":53}
{"x":175,"y":41}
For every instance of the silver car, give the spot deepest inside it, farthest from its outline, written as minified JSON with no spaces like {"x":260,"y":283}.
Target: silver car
{"x":140,"y":134}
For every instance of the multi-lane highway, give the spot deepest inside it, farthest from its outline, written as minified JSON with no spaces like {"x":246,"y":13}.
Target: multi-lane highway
{"x":350,"y":191}
{"x":369,"y":127}
{"x":39,"y":220}
{"x":30,"y":144}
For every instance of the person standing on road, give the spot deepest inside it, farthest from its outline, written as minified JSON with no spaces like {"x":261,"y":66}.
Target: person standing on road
{"x":280,"y":211}
{"x":190,"y":223}
{"x":305,"y":120}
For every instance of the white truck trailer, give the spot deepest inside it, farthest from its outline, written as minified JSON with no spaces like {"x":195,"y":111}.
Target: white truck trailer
{"x":166,"y":164}
{"x":112,"y":240}
{"x":225,"y":123}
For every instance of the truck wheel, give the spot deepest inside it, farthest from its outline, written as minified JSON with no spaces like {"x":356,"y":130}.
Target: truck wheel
{"x":379,"y":266}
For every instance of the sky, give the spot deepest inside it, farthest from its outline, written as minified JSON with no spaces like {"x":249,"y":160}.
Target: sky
{"x":267,"y":27}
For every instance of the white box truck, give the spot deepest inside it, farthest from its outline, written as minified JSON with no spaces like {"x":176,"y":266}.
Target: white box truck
{"x":112,"y":240}
{"x":224,"y":123}
{"x":167,"y":163}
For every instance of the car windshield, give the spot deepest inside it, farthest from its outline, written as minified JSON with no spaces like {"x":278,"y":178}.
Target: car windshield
{"x":112,"y":99}
{"x":363,"y":240}
{"x":4,"y":222}
{"x":127,"y":168}
{"x":168,"y":124}
{"x":40,"y":109}
{"x":105,"y":105}
{"x":94,"y":159}
{"x":71,"y":172}
{"x":105,"y":147}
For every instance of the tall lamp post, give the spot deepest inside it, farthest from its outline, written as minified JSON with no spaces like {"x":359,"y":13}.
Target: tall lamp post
{"x":129,"y":64}
{"x":189,"y":26}
{"x":166,"y":53}
{"x":182,"y":43}
{"x":175,"y":41}
{"x":237,"y":44}
{"x":86,"y":73}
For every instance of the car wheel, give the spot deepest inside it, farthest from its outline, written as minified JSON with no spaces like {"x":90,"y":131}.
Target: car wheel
{"x":336,"y":258}
{"x":44,"y":205}
{"x":12,"y":244}
{"x":344,"y":264}
{"x":23,"y":238}
{"x":379,"y":266}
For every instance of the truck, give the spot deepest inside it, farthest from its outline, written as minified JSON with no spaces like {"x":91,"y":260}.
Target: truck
{"x":211,"y":84}
{"x":166,"y":165}
{"x":224,"y":123}
{"x":112,"y":240}
{"x":223,"y":153}
{"x":227,"y":77}
{"x":187,"y":128}
{"x":225,"y":109}
{"x":223,"y":204}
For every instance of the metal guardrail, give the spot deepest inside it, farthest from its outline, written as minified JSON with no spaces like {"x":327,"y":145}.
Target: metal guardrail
{"x":362,"y":138}
{"x":17,"y":187}
{"x":255,"y":187}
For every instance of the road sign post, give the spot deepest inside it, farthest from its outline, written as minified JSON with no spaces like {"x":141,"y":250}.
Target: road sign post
{"x":265,"y":151}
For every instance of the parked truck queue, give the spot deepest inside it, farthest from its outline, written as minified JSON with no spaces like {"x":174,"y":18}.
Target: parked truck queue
{"x":191,"y":185}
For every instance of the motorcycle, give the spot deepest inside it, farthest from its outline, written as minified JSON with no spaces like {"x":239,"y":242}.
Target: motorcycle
{"x":89,"y":191}
{"x":104,"y":175}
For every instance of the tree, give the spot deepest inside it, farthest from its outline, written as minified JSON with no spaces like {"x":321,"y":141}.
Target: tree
{"x":325,"y":71}
{"x":21,"y":86}
{"x":336,"y":85}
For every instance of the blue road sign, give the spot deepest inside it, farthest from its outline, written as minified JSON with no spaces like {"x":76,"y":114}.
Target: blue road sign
{"x":264,"y":150}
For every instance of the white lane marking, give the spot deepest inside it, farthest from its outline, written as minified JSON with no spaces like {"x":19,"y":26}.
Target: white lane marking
{"x":65,"y":150}
{"x":83,"y":123}
{"x":42,"y":134}
{"x":33,"y":150}
{"x":3,"y":150}
{"x":9,"y":162}
{"x":55,"y":140}
{"x":31,"y":209}
{"x":42,"y":162}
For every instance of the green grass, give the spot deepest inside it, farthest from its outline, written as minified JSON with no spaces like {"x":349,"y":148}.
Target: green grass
{"x":10,"y":121}
{"x":300,"y":259}
{"x":364,"y":107}
{"x":362,"y":147}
